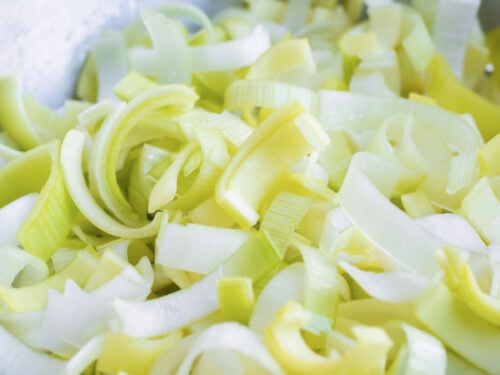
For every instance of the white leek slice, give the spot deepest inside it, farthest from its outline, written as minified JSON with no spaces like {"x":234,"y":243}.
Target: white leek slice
{"x":85,"y":356}
{"x":196,"y":248}
{"x":288,"y":285}
{"x":396,"y":286}
{"x":71,"y":155}
{"x":17,"y":358}
{"x":12,"y":217}
{"x":421,"y":354}
{"x":407,"y":243}
{"x":246,"y":94}
{"x":230,"y":55}
{"x":277,"y":144}
{"x":453,"y":23}
{"x":171,"y":100}
{"x":25,"y":326}
{"x":230,"y":336}
{"x":20,"y":267}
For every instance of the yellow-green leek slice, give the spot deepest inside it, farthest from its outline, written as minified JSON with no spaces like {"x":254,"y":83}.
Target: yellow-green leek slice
{"x":54,"y":213}
{"x":281,"y":140}
{"x":236,"y":298}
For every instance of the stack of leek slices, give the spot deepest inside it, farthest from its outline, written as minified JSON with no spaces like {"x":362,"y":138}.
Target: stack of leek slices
{"x":280,"y":189}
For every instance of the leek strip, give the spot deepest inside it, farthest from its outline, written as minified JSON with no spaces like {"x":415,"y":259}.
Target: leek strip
{"x":20,"y":268}
{"x":408,"y":244}
{"x":474,"y":339}
{"x":71,"y":156}
{"x":17,"y":358}
{"x":421,"y":354}
{"x":246,"y":94}
{"x":352,"y":112}
{"x":196,"y":248}
{"x":296,"y":14}
{"x":230,"y":336}
{"x":397,"y":287}
{"x":132,"y":85}
{"x":283,"y":337}
{"x":12,"y":217}
{"x":53,"y":205}
{"x":460,"y":280}
{"x":236,"y":298}
{"x":85,"y":356}
{"x":34,"y":297}
{"x":230,"y":55}
{"x":13,"y":117}
{"x":171,"y":100}
{"x":132,"y":355}
{"x":163,"y":192}
{"x":280,"y":142}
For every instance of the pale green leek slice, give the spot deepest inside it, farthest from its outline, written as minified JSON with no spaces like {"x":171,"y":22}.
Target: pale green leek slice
{"x":385,"y":22}
{"x":132,"y":85}
{"x":281,"y":140}
{"x":71,"y":155}
{"x":170,"y":100}
{"x":13,"y":117}
{"x":422,"y":353}
{"x":248,"y":94}
{"x":283,"y":337}
{"x":18,"y":358}
{"x":474,"y":339}
{"x":133,"y":355}
{"x":408,"y":245}
{"x":54,"y":204}
{"x":236,"y":298}
{"x":19,"y":268}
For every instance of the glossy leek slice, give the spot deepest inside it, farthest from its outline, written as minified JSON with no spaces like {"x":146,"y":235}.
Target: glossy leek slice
{"x":277,"y":144}
{"x":54,"y":213}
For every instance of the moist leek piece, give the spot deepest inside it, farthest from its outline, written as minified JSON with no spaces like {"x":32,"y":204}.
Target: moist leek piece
{"x":396,"y":286}
{"x":474,"y":339}
{"x":210,"y":213}
{"x":288,"y":61}
{"x":236,"y":298}
{"x":385,"y":22}
{"x":287,"y":285}
{"x":451,"y":94}
{"x":417,"y":204}
{"x":197,"y":248}
{"x":54,"y":213}
{"x":18,"y":358}
{"x":86,"y":356}
{"x":283,"y":337}
{"x":132,"y":355}
{"x":358,"y":113}
{"x":132,"y":85}
{"x":13,"y":116}
{"x":407,"y":245}
{"x":12,"y":217}
{"x":422,"y":353}
{"x":459,"y":279}
{"x":419,"y":47}
{"x":489,"y":157}
{"x":71,"y":155}
{"x":34,"y":297}
{"x":248,"y":94}
{"x":109,"y":266}
{"x":19,"y":268}
{"x":170,"y":100}
{"x":481,"y":207}
{"x":255,"y":259}
{"x":452,"y":25}
{"x":278,"y":143}
{"x":228,"y":336}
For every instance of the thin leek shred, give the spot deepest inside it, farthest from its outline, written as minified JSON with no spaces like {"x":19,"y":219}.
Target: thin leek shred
{"x":53,"y":205}
{"x":281,"y":141}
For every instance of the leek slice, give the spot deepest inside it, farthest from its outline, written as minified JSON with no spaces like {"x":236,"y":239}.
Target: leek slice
{"x":459,"y":328}
{"x":280,"y":141}
{"x":71,"y":155}
{"x":421,"y":354}
{"x":20,"y":267}
{"x":283,"y":337}
{"x":85,"y":356}
{"x":171,"y":100}
{"x":408,"y":245}
{"x":236,"y":298}
{"x":54,"y":204}
{"x":17,"y":358}
{"x":12,"y":217}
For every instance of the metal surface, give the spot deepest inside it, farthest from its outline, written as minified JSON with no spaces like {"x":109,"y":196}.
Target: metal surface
{"x":45,"y":41}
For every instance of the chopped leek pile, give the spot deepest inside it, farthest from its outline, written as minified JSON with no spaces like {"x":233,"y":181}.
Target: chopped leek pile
{"x":301,"y":187}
